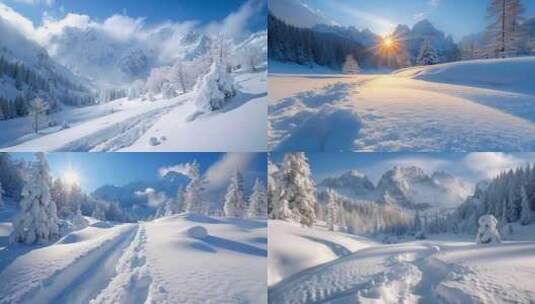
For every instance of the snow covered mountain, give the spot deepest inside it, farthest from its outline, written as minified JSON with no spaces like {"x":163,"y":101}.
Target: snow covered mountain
{"x":352,"y":184}
{"x":412,"y":188}
{"x":423,"y":30}
{"x":406,"y":187}
{"x":296,"y":13}
{"x":27,"y":71}
{"x":364,"y":37}
{"x":128,"y":198}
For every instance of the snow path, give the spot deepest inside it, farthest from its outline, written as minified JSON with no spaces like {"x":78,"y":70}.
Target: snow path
{"x":362,"y":275}
{"x":418,"y":272}
{"x":107,"y":133}
{"x":65,"y":276}
{"x":392,"y":113}
{"x":132,"y":281}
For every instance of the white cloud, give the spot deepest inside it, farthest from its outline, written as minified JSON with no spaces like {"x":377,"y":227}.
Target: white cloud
{"x":183,"y":169}
{"x":234,"y":24}
{"x":153,"y":198}
{"x":163,"y":38}
{"x":489,"y":165}
{"x":219,"y":174}
{"x":122,"y":27}
{"x":37,"y":2}
{"x":17,"y":21}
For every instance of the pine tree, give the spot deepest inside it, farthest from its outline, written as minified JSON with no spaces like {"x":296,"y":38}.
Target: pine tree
{"x":99,"y":212}
{"x":504,"y":32}
{"x":526,"y":214}
{"x":351,"y":66}
{"x":235,"y":204}
{"x":193,"y":201}
{"x":271,"y":187}
{"x":295,"y":198}
{"x":257,"y":201}
{"x":332,"y":209}
{"x":428,"y":54}
{"x":37,"y":220}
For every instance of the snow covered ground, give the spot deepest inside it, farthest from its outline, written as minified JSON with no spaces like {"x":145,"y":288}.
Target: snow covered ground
{"x":447,"y":269}
{"x":148,"y":262}
{"x":145,"y":126}
{"x":485,"y":105}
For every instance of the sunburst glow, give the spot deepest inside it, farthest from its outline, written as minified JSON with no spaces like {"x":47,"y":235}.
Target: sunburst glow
{"x":71,"y":177}
{"x":388,"y":42}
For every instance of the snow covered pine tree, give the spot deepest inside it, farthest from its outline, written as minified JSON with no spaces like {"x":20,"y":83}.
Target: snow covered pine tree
{"x":216,"y":88}
{"x":488,"y":232}
{"x":37,"y":220}
{"x":257,"y":201}
{"x":428,"y":54}
{"x":235,"y":204}
{"x":295,"y":199}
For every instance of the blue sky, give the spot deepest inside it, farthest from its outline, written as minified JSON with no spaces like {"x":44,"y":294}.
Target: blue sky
{"x":455,"y":17}
{"x":205,"y":11}
{"x":471,"y":167}
{"x":97,"y":169}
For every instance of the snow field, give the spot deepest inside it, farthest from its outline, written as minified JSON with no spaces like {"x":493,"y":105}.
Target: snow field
{"x":417,"y":109}
{"x":148,"y":262}
{"x":226,"y":266}
{"x":430,"y":271}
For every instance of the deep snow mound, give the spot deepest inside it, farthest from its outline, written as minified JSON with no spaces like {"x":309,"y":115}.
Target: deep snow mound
{"x":197,"y":232}
{"x":511,"y":74}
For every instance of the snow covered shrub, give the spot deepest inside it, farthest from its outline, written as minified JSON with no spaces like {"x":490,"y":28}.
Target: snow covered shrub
{"x":487,"y":232}
{"x":215,"y":89}
{"x":38,"y":219}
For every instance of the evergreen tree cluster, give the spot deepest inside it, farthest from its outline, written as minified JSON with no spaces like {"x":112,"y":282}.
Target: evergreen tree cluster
{"x":510,"y":198}
{"x":31,"y":84}
{"x":306,"y":47}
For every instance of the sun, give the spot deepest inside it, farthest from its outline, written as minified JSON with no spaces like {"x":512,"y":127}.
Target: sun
{"x":71,"y":177}
{"x":388,"y":42}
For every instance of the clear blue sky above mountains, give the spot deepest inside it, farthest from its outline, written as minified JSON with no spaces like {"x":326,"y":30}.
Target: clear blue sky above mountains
{"x":459,"y":18}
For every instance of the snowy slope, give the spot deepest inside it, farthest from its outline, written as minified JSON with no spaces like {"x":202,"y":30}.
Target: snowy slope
{"x":403,"y":113}
{"x":511,"y":75}
{"x":293,"y":248}
{"x":105,"y":127}
{"x":446,"y":270}
{"x":239,"y":127}
{"x":147,"y":262}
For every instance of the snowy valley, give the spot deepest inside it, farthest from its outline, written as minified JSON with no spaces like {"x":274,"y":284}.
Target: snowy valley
{"x":327,"y":247}
{"x":198,"y":236}
{"x":77,"y":84}
{"x":413,"y":88}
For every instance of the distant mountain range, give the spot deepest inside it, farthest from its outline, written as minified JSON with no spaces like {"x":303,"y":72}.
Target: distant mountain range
{"x":406,"y":187}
